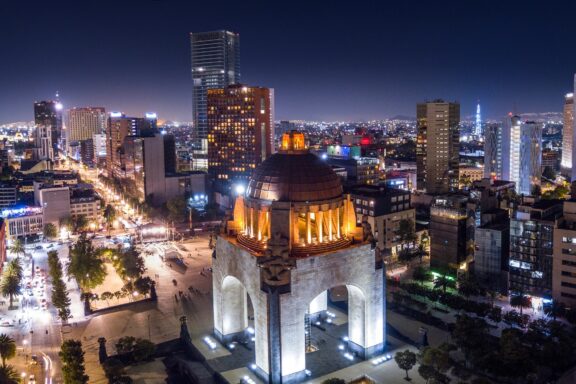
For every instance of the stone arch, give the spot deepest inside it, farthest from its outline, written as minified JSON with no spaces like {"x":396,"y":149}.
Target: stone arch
{"x":356,"y":311}
{"x":234,"y":306}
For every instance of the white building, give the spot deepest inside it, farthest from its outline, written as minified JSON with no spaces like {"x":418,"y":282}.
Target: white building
{"x":23,"y":221}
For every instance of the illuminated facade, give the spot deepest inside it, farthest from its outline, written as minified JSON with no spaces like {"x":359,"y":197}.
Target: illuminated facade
{"x":215,"y":64}
{"x":83,"y":123}
{"x":291,"y":240}
{"x":568,"y":136}
{"x":241,"y":130}
{"x":478,"y":122}
{"x":437,"y":146}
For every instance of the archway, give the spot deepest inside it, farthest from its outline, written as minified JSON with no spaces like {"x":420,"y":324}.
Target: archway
{"x":334,"y":329}
{"x":237,"y":312}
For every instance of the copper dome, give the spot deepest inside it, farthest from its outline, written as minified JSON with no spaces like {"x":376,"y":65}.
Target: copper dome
{"x":297,"y":177}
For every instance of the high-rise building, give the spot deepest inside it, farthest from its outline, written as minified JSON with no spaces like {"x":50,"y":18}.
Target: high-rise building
{"x":241,"y":122}
{"x":522,"y":153}
{"x":568,"y":136}
{"x":478,"y":123}
{"x":437,"y":146}
{"x":531,"y":247}
{"x":48,"y":122}
{"x":493,"y":147}
{"x":118,"y":127}
{"x":85,"y":122}
{"x":215,"y":64}
{"x":564,"y":260}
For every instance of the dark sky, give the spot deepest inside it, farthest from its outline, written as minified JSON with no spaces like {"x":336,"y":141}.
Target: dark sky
{"x":331,"y":61}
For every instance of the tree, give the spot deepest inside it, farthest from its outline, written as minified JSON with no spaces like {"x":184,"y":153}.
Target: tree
{"x":50,"y":231}
{"x":129,"y":263}
{"x":113,"y":369}
{"x":536,"y":190}
{"x":427,"y":372}
{"x":406,"y":361}
{"x":72,"y":358}
{"x":125,"y":344}
{"x":521,"y":301}
{"x":465,"y":181}
{"x":17,"y":248}
{"x":14,"y":268}
{"x":7,"y":348}
{"x":406,"y":231}
{"x":143,"y":285}
{"x":143,"y":349}
{"x":80,"y":223}
{"x":8,"y":375}
{"x":106,"y":296}
{"x":177,"y":207}
{"x":556,"y":309}
{"x":421,"y":274}
{"x":441,"y":281}
{"x":469,"y":334}
{"x":10,"y":284}
{"x":85,"y":264}
{"x":109,"y":215}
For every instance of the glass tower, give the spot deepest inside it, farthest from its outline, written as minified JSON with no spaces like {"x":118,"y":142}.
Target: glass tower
{"x":215,"y":64}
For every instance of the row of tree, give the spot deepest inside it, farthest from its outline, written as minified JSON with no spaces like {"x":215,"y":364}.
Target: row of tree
{"x":72,"y":358}
{"x":8,"y":374}
{"x":60,"y":298}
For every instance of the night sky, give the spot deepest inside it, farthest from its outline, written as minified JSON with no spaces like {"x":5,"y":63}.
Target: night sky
{"x":340,"y":60}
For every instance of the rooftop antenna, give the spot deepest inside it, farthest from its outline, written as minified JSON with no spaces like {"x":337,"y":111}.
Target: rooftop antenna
{"x":57,"y":95}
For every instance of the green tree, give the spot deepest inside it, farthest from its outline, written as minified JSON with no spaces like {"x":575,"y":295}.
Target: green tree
{"x":406,"y":231}
{"x":17,"y":248}
{"x":521,"y":301}
{"x":72,"y":358}
{"x":15,"y":268}
{"x":470,"y":335}
{"x":113,"y":369}
{"x":143,"y":285}
{"x":11,"y":281}
{"x":442,"y":281}
{"x":50,"y":231}
{"x":8,"y":375}
{"x":125,"y":344}
{"x":80,"y":223}
{"x":427,"y":372}
{"x":437,"y":358}
{"x":129,"y":263}
{"x":177,"y":207}
{"x":109,"y":215}
{"x":421,"y":275}
{"x":106,"y":296}
{"x":556,"y":309}
{"x":85,"y":264}
{"x":406,"y":361}
{"x":143,"y":349}
{"x":7,"y":348}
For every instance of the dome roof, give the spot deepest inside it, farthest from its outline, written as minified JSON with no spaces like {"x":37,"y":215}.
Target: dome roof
{"x":297,"y":177}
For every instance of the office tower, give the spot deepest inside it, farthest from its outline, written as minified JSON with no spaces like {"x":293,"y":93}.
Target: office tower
{"x":568,"y":136}
{"x":492,"y":241}
{"x":531,"y":247}
{"x":437,"y":146}
{"x":85,"y":122}
{"x":564,"y":260}
{"x":118,"y":127}
{"x":99,"y":142}
{"x":215,"y":64}
{"x":448,"y":232}
{"x":240,"y":121}
{"x":48,"y":122}
{"x":478,"y":123}
{"x":493,"y":147}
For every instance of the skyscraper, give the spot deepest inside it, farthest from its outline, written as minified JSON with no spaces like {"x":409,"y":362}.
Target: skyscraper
{"x":241,"y":130}
{"x":215,"y":64}
{"x":478,"y":123}
{"x":493,"y":147}
{"x":568,"y":136}
{"x":48,"y":122}
{"x":437,"y":146}
{"x":522,"y":153}
{"x":85,"y":122}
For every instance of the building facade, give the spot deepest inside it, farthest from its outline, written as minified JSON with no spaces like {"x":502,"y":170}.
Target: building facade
{"x":241,"y":130}
{"x":564,"y":261}
{"x":493,"y":155}
{"x":531,"y":247}
{"x":215,"y":65}
{"x":437,"y":146}
{"x":568,"y":136}
{"x":491,"y":257}
{"x":384,"y":208}
{"x":48,"y":123}
{"x":85,"y":122}
{"x":23,"y":222}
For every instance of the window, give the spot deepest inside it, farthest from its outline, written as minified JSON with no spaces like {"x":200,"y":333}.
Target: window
{"x":569,"y":295}
{"x":569,"y":285}
{"x":569,"y":274}
{"x":569,"y":263}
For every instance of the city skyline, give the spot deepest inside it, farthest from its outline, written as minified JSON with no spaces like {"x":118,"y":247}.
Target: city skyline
{"x":381,"y":66}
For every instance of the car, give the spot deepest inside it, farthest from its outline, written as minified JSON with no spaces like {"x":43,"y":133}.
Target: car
{"x":30,"y":293}
{"x":6,"y":324}
{"x":32,"y":379}
{"x":38,"y":247}
{"x":36,"y":307}
{"x":50,"y":246}
{"x":37,"y":268}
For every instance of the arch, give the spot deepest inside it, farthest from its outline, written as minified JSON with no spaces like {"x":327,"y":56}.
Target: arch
{"x":234,"y":306}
